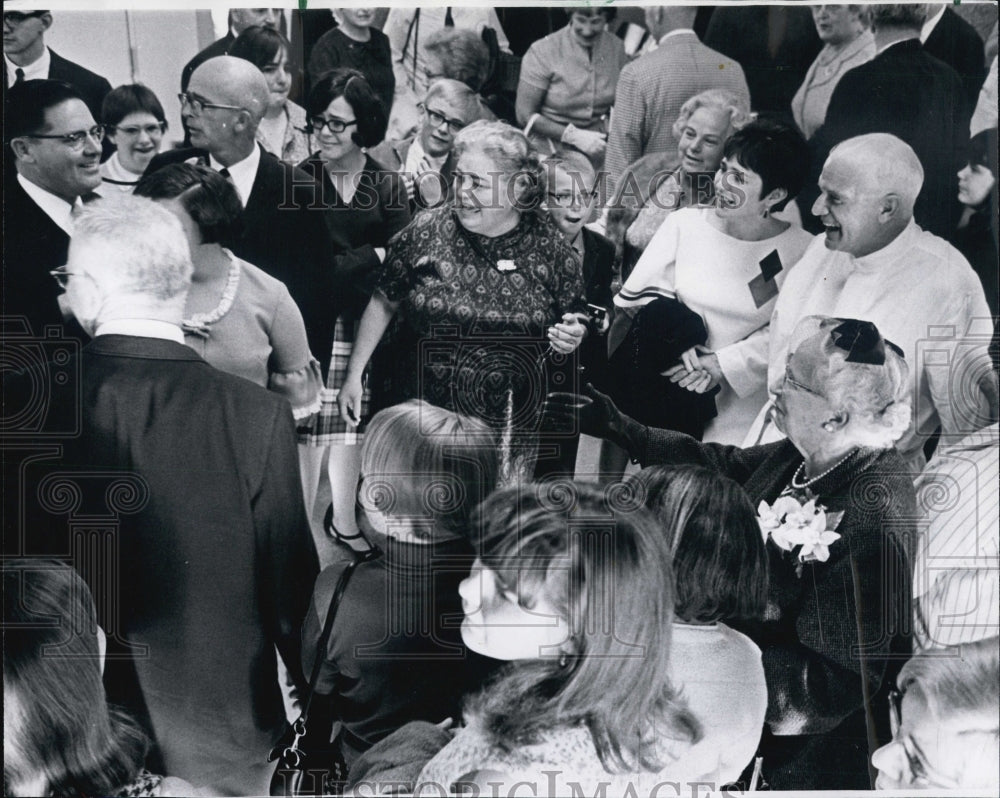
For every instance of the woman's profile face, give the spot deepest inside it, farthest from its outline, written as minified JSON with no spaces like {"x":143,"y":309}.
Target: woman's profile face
{"x":497,"y":626}
{"x":278,"y":75}
{"x":703,"y":139}
{"x":801,"y":406}
{"x":485,"y":197}
{"x":737,"y":191}
{"x":837,"y":25}
{"x":929,"y":752}
{"x":975,"y":181}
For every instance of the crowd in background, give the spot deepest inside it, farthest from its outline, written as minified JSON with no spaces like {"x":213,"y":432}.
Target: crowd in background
{"x":586,"y":398}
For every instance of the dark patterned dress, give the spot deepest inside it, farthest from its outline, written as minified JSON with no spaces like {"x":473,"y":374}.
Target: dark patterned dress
{"x":473,"y":314}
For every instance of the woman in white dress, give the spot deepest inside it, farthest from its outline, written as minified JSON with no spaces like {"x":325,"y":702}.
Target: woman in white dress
{"x":727,"y":264}
{"x":134,"y":122}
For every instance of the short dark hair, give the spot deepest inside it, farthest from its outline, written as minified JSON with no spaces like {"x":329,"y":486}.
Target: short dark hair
{"x":259,"y":45}
{"x":898,"y":15}
{"x":608,"y":12}
{"x":720,"y":563}
{"x":130,"y":98}
{"x":775,"y":151}
{"x":983,"y":148}
{"x":211,"y":200}
{"x":355,"y":88}
{"x":27,"y":103}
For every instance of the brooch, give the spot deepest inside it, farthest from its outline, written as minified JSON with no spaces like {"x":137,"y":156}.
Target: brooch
{"x":506,"y":265}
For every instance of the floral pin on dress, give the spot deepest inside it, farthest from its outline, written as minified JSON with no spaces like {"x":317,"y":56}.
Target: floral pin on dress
{"x":799,"y":526}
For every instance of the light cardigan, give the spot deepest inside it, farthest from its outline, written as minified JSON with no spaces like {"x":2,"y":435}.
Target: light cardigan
{"x":810,"y":101}
{"x":710,"y":273}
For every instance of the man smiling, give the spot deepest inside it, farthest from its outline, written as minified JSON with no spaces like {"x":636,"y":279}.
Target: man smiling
{"x":56,"y":148}
{"x":874,"y":263}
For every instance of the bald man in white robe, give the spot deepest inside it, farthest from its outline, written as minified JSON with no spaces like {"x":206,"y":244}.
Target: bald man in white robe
{"x":873,"y":262}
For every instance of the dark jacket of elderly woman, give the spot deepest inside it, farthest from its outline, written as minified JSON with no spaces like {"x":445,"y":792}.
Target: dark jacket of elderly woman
{"x":829,"y":633}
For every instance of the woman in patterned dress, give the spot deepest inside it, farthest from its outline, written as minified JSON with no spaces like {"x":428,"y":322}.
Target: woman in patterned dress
{"x":487,"y":292}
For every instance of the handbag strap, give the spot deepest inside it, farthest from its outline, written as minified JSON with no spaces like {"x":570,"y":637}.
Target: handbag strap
{"x":373,"y":553}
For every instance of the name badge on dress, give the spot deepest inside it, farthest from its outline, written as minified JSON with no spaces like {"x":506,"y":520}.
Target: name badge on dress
{"x":763,"y":287}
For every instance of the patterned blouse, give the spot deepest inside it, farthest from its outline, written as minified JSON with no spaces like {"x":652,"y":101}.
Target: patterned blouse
{"x":473,"y":314}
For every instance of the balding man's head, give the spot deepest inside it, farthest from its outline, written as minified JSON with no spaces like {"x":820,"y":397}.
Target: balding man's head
{"x":241,"y":88}
{"x":867,"y":191}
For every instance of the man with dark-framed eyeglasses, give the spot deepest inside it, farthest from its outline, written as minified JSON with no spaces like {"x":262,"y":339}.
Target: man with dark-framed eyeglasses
{"x":26,"y":57}
{"x":425,"y":159}
{"x":55,"y":146}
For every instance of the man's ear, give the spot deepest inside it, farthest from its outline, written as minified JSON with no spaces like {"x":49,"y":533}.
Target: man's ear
{"x":46,"y":19}
{"x":22,"y":149}
{"x":889,"y":207}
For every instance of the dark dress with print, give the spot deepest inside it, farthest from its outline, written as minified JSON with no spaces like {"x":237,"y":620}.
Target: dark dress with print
{"x":473,"y":316}
{"x":377,"y":211}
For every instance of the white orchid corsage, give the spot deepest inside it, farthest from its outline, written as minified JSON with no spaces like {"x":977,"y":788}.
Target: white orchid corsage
{"x":790,"y":523}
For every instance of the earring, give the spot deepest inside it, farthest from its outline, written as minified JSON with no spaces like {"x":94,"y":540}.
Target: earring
{"x":766,"y":213}
{"x":828,"y":426}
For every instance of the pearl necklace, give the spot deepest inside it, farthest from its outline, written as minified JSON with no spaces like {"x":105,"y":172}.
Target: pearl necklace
{"x":800,"y":471}
{"x":199,"y":323}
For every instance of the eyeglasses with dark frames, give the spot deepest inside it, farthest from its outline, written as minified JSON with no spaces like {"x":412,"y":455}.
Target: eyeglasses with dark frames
{"x":76,"y":140}
{"x":437,"y":119}
{"x":134,"y":130}
{"x":333,"y":125}
{"x":61,"y":275}
{"x":198,"y":104}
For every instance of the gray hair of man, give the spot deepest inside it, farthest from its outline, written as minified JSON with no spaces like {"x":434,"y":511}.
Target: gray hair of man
{"x":888,"y":165}
{"x":144,"y":250}
{"x":458,"y":94}
{"x":721,"y":99}
{"x":898,"y":15}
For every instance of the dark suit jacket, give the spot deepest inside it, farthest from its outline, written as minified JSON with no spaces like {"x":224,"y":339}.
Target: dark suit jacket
{"x":92,"y":87}
{"x":33,"y":245}
{"x":218,"y":47}
{"x":910,"y":94}
{"x":598,"y":265}
{"x":201,"y":560}
{"x":956,"y":42}
{"x":286,"y":233}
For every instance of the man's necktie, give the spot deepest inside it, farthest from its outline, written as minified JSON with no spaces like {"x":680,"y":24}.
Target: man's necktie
{"x":449,"y":20}
{"x":225,"y":173}
{"x":18,"y":76}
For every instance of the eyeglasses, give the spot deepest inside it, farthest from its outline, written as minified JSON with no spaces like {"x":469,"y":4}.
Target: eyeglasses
{"x":14,"y":18}
{"x":198,"y":104}
{"x":134,"y":130}
{"x":790,"y":380}
{"x":569,"y":200}
{"x":333,"y":125}
{"x":61,"y":276}
{"x":76,"y":140}
{"x":920,"y":770}
{"x":437,"y":120}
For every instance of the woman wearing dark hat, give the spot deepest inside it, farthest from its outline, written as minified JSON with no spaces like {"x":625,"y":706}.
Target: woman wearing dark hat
{"x":837,"y":508}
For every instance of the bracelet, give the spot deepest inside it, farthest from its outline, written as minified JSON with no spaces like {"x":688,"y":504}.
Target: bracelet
{"x":531,"y":123}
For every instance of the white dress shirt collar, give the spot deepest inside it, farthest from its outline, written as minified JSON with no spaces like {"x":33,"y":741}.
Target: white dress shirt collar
{"x":242,"y":173}
{"x":39,"y":70}
{"x":676,"y":32}
{"x":56,"y":208}
{"x":142,"y":328}
{"x":930,"y":23}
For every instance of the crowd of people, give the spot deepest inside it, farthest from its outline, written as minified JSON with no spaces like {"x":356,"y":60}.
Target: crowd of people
{"x":610,"y":410}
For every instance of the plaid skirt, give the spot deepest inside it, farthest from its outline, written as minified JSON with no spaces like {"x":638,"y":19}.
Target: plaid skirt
{"x":327,"y":427}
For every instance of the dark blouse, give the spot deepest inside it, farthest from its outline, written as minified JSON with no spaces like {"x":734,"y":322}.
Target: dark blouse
{"x":395,"y":652}
{"x":473,"y":312}
{"x":831,"y":632}
{"x":377,"y":211}
{"x":373,"y":59}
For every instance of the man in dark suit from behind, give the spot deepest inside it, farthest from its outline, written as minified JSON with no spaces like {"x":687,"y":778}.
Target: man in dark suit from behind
{"x":26,"y":57}
{"x":206,"y":560}
{"x":239,"y":19}
{"x":52,"y":160}
{"x":285,"y":222}
{"x":909,"y":94}
{"x":951,"y":39}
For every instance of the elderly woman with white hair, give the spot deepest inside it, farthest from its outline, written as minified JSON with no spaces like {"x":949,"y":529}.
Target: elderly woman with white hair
{"x":837,"y":509}
{"x":945,"y":732}
{"x":486,"y":289}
